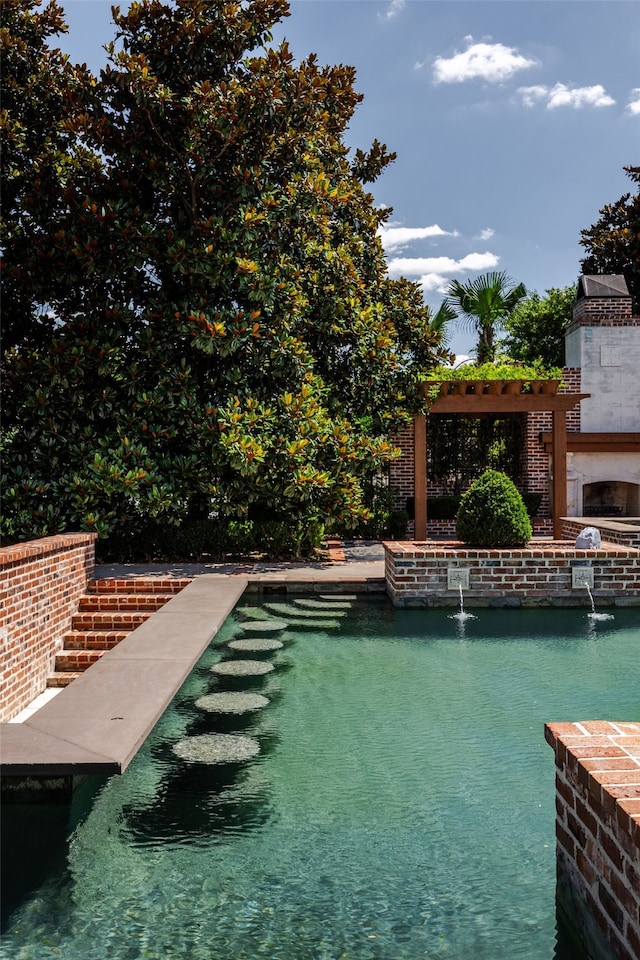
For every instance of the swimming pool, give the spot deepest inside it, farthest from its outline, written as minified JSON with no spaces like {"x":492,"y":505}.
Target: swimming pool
{"x":401,"y":805}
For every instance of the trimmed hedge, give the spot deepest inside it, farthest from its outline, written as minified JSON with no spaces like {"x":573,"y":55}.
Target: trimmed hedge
{"x":492,"y":513}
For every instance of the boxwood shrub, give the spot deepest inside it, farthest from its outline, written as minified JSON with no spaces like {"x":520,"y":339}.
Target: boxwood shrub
{"x":492,"y":513}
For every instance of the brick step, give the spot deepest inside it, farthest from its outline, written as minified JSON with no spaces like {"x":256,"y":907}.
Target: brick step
{"x":62,"y":678}
{"x":76,"y":661}
{"x":93,"y":639}
{"x":106,"y":620}
{"x":165,"y":585}
{"x":120,"y":601}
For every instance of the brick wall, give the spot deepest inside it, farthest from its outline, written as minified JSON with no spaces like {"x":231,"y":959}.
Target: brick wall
{"x":603,"y":312}
{"x":598,"y":834}
{"x":41,"y":583}
{"x":626,"y":534}
{"x":537,"y":576}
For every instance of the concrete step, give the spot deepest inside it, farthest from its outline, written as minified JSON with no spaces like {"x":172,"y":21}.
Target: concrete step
{"x":93,"y":639}
{"x":76,"y":661}
{"x":107,"y":620}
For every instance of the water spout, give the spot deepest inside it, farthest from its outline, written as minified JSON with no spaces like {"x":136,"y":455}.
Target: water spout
{"x":594,"y":615}
{"x":462,"y":614}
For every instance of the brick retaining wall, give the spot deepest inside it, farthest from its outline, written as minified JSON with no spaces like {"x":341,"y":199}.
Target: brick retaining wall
{"x":598,"y":834}
{"x":537,"y":575}
{"x":41,"y":583}
{"x":613,"y":531}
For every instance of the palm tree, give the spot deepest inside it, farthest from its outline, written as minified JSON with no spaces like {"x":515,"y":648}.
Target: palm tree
{"x":484,"y":304}
{"x":439,"y":320}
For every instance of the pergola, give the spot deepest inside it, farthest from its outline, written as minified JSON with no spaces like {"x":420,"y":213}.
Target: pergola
{"x":478,"y":404}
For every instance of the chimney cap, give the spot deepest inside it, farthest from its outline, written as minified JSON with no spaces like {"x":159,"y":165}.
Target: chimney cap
{"x":602,"y":285}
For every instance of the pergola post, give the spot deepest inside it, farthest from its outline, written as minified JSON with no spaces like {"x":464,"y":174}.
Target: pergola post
{"x":420,"y":477}
{"x":559,"y":454}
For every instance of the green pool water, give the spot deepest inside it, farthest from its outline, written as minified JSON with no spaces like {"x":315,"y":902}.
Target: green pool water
{"x":401,"y":807}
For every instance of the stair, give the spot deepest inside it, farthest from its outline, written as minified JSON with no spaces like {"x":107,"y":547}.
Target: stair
{"x":108,"y":613}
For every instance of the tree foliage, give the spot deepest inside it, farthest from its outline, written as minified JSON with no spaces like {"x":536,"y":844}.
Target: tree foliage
{"x":613,"y":242}
{"x":535,"y":330}
{"x":226,"y":337}
{"x":484,"y":304}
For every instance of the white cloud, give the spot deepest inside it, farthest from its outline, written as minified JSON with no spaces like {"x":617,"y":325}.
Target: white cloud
{"x":416,"y":266}
{"x":533,"y":95}
{"x":486,"y":234}
{"x":492,"y":62}
{"x":394,"y":237}
{"x":432,"y":271}
{"x":393,"y":9}
{"x":633,"y":106}
{"x":563,"y":96}
{"x":434,"y":282}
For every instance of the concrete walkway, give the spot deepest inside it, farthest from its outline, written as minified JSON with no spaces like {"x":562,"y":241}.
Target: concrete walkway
{"x":97,"y":724}
{"x":346,"y":561}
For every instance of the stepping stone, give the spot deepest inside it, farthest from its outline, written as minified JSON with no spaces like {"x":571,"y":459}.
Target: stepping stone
{"x":322,"y":606}
{"x":241,"y":668}
{"x":254,"y":613}
{"x":314,"y":624}
{"x":263,"y":626}
{"x":217,"y":748}
{"x":288,"y":610}
{"x":256,"y":644}
{"x":232,"y":702}
{"x":333,"y":597}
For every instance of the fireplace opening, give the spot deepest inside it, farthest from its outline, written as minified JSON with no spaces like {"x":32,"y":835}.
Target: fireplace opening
{"x":611,"y":498}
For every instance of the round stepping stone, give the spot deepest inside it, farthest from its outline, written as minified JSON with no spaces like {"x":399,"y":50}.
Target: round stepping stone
{"x":232,"y":702}
{"x":263,"y":626}
{"x":241,"y":668}
{"x":217,"y":748}
{"x":256,"y":644}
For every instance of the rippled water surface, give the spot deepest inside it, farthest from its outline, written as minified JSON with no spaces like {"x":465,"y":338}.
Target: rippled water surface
{"x":401,"y":806}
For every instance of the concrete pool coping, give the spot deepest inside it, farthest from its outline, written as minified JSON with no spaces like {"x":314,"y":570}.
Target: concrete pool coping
{"x":98,"y":723}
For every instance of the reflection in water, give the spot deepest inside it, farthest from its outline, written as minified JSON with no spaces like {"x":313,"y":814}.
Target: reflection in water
{"x":199,"y":803}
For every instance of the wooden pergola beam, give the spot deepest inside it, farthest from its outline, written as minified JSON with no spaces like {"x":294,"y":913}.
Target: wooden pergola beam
{"x":596,"y":442}
{"x":471,"y":405}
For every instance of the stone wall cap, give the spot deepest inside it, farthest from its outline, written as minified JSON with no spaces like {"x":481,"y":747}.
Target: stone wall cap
{"x":602,"y":285}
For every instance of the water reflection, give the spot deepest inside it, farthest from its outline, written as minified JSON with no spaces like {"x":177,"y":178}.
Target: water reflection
{"x":201,"y":803}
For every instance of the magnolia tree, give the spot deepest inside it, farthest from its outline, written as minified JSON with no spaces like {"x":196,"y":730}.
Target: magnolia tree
{"x":215,"y":331}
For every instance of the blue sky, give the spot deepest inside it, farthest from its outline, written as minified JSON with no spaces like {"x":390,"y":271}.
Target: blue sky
{"x":511,"y":119}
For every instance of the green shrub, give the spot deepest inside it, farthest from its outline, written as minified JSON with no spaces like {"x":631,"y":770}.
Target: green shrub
{"x":492,"y":513}
{"x":212,"y":539}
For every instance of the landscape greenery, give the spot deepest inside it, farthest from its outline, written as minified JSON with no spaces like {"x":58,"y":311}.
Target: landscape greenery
{"x":202,"y":351}
{"x":535,"y":330}
{"x":200,"y":333}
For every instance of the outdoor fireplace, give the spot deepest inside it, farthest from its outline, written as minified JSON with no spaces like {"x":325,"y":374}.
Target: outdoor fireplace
{"x":611,"y":498}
